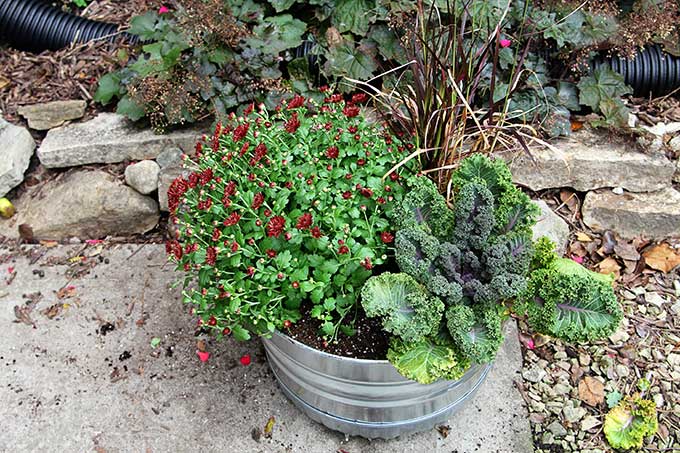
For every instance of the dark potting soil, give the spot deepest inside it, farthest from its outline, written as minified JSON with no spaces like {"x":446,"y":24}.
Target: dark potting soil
{"x":369,"y":341}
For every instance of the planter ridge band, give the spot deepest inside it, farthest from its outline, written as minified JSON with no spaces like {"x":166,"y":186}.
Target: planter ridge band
{"x":366,"y":398}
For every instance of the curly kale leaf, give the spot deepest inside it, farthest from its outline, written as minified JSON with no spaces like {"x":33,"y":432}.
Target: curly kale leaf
{"x":515,"y":212}
{"x":476,"y":332}
{"x":416,"y":251}
{"x":426,"y":361}
{"x":406,"y":308}
{"x":510,"y":253}
{"x":494,"y":173}
{"x":544,"y":254}
{"x":426,"y":209}
{"x":569,"y":302}
{"x":474,"y":215}
{"x":627,"y":424}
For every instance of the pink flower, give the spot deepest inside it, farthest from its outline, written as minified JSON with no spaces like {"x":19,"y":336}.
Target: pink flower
{"x":530,"y":344}
{"x":162,"y":10}
{"x":505,"y":43}
{"x":203,"y":356}
{"x":578,"y":259}
{"x":245,"y":360}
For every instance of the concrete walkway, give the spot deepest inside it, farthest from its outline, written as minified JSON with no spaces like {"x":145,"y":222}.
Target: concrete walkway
{"x":86,"y":378}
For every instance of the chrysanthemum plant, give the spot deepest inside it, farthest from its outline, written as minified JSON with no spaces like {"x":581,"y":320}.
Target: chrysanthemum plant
{"x":283,"y":209}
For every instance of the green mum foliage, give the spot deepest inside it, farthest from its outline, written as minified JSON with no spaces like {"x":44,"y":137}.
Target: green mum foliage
{"x":406,"y":308}
{"x":627,"y":424}
{"x":569,"y":302}
{"x":426,"y":209}
{"x":427,"y":361}
{"x":477,"y":332}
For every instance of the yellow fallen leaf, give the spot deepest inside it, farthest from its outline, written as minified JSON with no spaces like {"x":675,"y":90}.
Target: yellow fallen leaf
{"x":6,"y":208}
{"x":4,"y":81}
{"x":582,"y":237}
{"x":609,"y":266}
{"x":269,"y":427}
{"x":76,"y":259}
{"x":49,"y":244}
{"x":661,"y":257}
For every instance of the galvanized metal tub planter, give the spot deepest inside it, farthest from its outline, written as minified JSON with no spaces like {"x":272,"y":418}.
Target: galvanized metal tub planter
{"x":367,"y":398}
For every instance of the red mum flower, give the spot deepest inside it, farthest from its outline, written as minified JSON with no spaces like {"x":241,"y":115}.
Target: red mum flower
{"x":244,"y":148}
{"x":394,"y":176}
{"x":352,"y":129}
{"x":204,"y":205}
{"x":271,"y":253}
{"x":316,"y":232}
{"x":193,"y":180}
{"x":292,"y":124}
{"x":343,"y":250}
{"x":249,"y":109}
{"x":233,"y":219}
{"x":216,"y":234}
{"x":174,"y":248}
{"x":347,"y":195}
{"x":212,"y":321}
{"x":380,"y":200}
{"x":250,"y":271}
{"x":258,"y":199}
{"x":332,"y":152}
{"x":275,"y":226}
{"x":386,"y":237}
{"x":258,"y":154}
{"x":267,"y":212}
{"x":230,"y":189}
{"x":175,"y":192}
{"x":361,"y":162}
{"x":366,"y":192}
{"x":295,"y":285}
{"x":240,"y":132}
{"x":199,"y":148}
{"x":210,"y":256}
{"x":334,"y":98}
{"x":304,"y":221}
{"x":297,"y":101}
{"x":350,"y":111}
{"x":366,"y":263}
{"x":359,"y":98}
{"x":234,"y":246}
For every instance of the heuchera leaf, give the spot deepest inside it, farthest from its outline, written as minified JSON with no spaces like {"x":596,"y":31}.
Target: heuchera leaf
{"x":426,"y":361}
{"x":406,"y":309}
{"x":627,"y":425}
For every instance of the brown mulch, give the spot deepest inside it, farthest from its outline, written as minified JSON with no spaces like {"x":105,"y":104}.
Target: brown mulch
{"x":70,"y":73}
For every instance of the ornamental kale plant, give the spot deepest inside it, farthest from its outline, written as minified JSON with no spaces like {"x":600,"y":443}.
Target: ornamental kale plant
{"x":464,"y":269}
{"x":286,"y":208}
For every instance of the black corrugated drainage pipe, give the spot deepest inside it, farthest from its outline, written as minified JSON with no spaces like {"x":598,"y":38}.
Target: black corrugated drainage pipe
{"x":36,"y":25}
{"x":651,"y":71}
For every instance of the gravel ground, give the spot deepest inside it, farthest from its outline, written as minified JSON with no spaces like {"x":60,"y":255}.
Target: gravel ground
{"x":557,"y":377}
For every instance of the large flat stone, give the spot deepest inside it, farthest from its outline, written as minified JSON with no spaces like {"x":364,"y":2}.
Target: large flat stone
{"x":108,"y":138}
{"x":88,"y":205}
{"x":654,"y":215}
{"x":589,"y":161}
{"x":80,"y":392}
{"x":551,"y":226}
{"x":16,"y":149}
{"x":52,"y":114}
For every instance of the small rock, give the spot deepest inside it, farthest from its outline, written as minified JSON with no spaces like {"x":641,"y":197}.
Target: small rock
{"x":674,"y":360}
{"x":534,"y":374}
{"x":658,"y":400}
{"x":170,"y":157}
{"x":560,"y":355}
{"x":548,"y":438}
{"x":674,"y":144}
{"x":584,"y":359}
{"x":618,"y":190}
{"x":562,"y":389}
{"x":143,"y":176}
{"x":573,"y":414}
{"x":654,"y":299}
{"x":552,"y":226}
{"x":661,"y":129}
{"x":557,"y":429}
{"x":622,"y":370}
{"x":17,"y":148}
{"x":654,"y":215}
{"x":49,"y":115}
{"x":619,"y":337}
{"x":589,"y":422}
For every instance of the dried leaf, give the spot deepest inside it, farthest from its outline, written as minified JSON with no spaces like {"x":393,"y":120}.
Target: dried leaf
{"x":591,"y":391}
{"x":269,"y":427}
{"x":52,"y":311}
{"x":626,"y":251}
{"x":444,"y":430}
{"x":23,"y":314}
{"x":49,"y":244}
{"x":66,"y":292}
{"x":4,"y":81}
{"x":583,"y":237}
{"x":609,"y":266}
{"x":569,"y":199}
{"x":576,"y":125}
{"x":661,"y":257}
{"x":201,"y":346}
